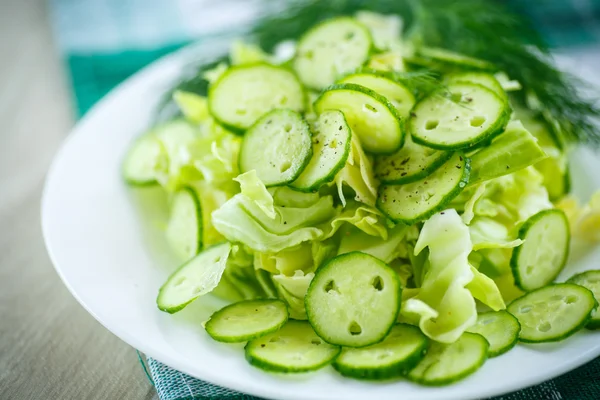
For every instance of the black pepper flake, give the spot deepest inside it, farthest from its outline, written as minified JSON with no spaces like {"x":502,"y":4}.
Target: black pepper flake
{"x":442,"y":213}
{"x":507,"y":167}
{"x":425,"y":183}
{"x":407,"y":159}
{"x":393,"y":201}
{"x":458,"y":167}
{"x":412,"y":114}
{"x":285,"y":222}
{"x":404,"y":174}
{"x":268,"y":122}
{"x":460,"y":158}
{"x":340,"y":128}
{"x":469,"y":99}
{"x":263,"y":345}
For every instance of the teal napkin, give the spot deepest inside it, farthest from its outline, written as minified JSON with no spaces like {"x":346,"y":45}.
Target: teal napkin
{"x":124,"y":36}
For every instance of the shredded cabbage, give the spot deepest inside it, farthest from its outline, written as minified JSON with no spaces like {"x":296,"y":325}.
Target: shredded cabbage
{"x":584,"y":221}
{"x":444,"y":307}
{"x":357,"y":175}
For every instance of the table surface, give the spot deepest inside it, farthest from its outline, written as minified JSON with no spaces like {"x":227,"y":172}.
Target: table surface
{"x":50,"y":348}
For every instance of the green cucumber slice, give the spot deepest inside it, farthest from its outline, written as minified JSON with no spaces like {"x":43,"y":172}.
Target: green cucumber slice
{"x":553,"y":312}
{"x":396,"y":93}
{"x":591,"y":281}
{"x":542,"y":256}
{"x":353,"y":300}
{"x":247,"y":320}
{"x":501,"y":330}
{"x":144,"y":158}
{"x":371,"y":116}
{"x":416,"y":201}
{"x":398,"y":353}
{"x":330,"y":149}
{"x":244,"y":93}
{"x":481,"y":78}
{"x":459,"y":116}
{"x":293,"y":348}
{"x":411,"y":163}
{"x":447,"y":363}
{"x":331,"y":49}
{"x":278,"y":147}
{"x":184,"y":230}
{"x":193,"y":279}
{"x":452,"y":59}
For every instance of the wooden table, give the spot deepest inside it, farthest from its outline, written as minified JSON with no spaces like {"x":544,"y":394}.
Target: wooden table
{"x":50,"y":347}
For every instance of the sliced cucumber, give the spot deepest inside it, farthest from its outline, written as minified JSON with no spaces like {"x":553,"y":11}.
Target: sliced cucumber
{"x":353,"y":300}
{"x":544,"y":252}
{"x":501,"y":330}
{"x":195,"y":278}
{"x":383,"y":83}
{"x":553,"y":312}
{"x":244,"y":93}
{"x":184,"y":230}
{"x":278,"y":147}
{"x":371,"y":116}
{"x":459,"y":116}
{"x":447,"y":363}
{"x":591,"y":281}
{"x":293,"y":348}
{"x":397,"y":354}
{"x":411,"y":163}
{"x":481,"y":78}
{"x":246,"y":320}
{"x":331,"y":49}
{"x":330,"y":149}
{"x":144,"y":158}
{"x":452,"y":59}
{"x":413,"y":202}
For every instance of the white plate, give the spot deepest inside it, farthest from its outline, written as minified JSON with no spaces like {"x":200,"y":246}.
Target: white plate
{"x":109,"y":255}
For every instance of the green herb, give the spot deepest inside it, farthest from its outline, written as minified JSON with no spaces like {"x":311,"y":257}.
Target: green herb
{"x":484,"y":29}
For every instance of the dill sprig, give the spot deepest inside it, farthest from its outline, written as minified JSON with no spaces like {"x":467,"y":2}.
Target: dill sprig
{"x":485,"y":29}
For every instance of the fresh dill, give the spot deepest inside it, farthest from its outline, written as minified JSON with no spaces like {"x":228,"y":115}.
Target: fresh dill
{"x":485,"y":29}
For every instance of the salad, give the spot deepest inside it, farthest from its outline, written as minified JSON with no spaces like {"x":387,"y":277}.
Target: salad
{"x":369,"y":202}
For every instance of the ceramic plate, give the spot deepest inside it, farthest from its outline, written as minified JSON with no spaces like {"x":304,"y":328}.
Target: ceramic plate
{"x":104,"y":240}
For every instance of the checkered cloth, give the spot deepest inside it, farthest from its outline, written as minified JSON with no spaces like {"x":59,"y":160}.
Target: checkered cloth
{"x":124,"y":36}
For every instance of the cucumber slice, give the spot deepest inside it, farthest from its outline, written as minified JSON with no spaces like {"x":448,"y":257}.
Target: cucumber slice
{"x":246,"y":320}
{"x":501,"y":330}
{"x":411,"y":163}
{"x":331,"y":49}
{"x":293,"y":348}
{"x":330,"y":149}
{"x":278,"y":147}
{"x":144,"y":158}
{"x":397,"y":354}
{"x":452,"y":59}
{"x":481,"y":78}
{"x":194,"y":278}
{"x":353,"y":300}
{"x":591,"y":281}
{"x":416,"y":201}
{"x":553,"y":312}
{"x":371,"y":116}
{"x":184,"y":230}
{"x":447,"y":363}
{"x":544,"y":252}
{"x":383,"y":83}
{"x":244,"y":93}
{"x":458,"y":117}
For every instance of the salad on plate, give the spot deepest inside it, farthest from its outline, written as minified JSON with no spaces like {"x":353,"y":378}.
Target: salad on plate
{"x":366,"y":200}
